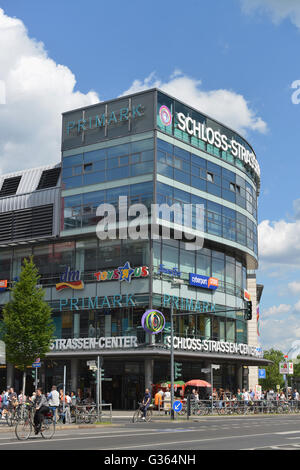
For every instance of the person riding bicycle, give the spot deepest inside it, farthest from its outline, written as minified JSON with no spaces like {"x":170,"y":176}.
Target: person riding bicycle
{"x":41,"y":409}
{"x":146,"y":402}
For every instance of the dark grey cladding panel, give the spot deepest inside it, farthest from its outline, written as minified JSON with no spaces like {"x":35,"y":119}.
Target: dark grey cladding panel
{"x":108,"y":120}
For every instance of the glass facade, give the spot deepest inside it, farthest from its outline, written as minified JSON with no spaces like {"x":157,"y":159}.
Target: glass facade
{"x":177,"y":107}
{"x":108,"y":164}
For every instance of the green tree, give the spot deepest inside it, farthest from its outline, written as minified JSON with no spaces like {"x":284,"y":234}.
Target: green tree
{"x":27,"y":325}
{"x":273,"y":376}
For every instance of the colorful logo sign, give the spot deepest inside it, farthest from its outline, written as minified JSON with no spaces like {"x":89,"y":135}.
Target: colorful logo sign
{"x":3,"y":285}
{"x":165,"y":115}
{"x":247,"y":296}
{"x":123,"y":273}
{"x":153,"y":321}
{"x":204,"y":281}
{"x":70,"y":279}
{"x":172,"y":272}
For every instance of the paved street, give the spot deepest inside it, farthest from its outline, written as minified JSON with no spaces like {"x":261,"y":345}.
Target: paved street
{"x":219,"y":433}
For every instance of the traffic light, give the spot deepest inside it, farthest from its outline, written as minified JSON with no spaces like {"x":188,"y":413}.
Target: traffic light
{"x":101,"y":374}
{"x":33,"y":374}
{"x":248,"y":311}
{"x":178,"y":370}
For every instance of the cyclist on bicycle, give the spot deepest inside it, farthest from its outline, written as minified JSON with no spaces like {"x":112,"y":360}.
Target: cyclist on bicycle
{"x":41,"y":409}
{"x":146,"y":403}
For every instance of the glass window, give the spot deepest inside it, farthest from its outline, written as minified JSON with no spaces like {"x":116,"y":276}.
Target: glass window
{"x":187,"y":261}
{"x":203,"y":264}
{"x":162,"y":145}
{"x":72,"y":160}
{"x":141,"y":145}
{"x":94,"y":156}
{"x":118,"y":150}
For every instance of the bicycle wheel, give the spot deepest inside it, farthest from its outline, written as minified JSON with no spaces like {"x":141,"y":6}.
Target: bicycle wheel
{"x":93,"y":416}
{"x":136,"y":416}
{"x":148,"y":415}
{"x":48,"y":428}
{"x":10,"y":418}
{"x":23,"y":429}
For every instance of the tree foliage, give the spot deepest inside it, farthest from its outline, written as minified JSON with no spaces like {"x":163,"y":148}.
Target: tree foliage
{"x":27,"y":325}
{"x":273,"y":376}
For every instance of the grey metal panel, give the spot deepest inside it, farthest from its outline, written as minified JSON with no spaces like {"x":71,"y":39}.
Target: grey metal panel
{"x":30,"y":178}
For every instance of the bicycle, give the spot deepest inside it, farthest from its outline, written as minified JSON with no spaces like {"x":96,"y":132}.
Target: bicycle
{"x":138,"y":415}
{"x":25,"y":425}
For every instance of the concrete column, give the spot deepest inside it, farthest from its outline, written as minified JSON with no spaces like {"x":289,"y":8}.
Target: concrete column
{"x":10,"y":375}
{"x":74,"y":374}
{"x":252,"y":328}
{"x":239,"y":377}
{"x":207,"y":327}
{"x":148,"y":373}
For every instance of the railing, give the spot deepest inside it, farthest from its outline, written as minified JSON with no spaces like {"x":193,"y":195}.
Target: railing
{"x":230,"y":407}
{"x":84,"y":414}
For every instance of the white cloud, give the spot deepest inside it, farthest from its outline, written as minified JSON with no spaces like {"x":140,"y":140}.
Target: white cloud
{"x":294,"y":287}
{"x":37,"y":91}
{"x":277,"y":9}
{"x":279,"y":242}
{"x":276,"y":310}
{"x":228,"y":107}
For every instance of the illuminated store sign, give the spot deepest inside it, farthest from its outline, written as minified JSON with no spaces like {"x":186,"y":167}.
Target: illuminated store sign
{"x":172,"y":272}
{"x":87,"y":344}
{"x":204,"y":281}
{"x":102,"y":120}
{"x":125,"y":273}
{"x":182,"y":303}
{"x":206,"y":345}
{"x":70,"y":279}
{"x":93,"y":303}
{"x":153,"y":321}
{"x":215,"y":138}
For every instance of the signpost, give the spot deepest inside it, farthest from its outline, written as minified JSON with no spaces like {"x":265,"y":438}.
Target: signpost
{"x":177,"y":406}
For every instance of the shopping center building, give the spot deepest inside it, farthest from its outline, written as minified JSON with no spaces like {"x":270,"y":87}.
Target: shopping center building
{"x":147,"y":148}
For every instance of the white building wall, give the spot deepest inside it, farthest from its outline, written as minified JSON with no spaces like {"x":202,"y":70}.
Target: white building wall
{"x":252,"y":330}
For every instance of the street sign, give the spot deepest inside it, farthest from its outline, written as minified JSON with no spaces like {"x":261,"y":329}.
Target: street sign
{"x":91,"y":363}
{"x":286,"y":368}
{"x":36,"y":364}
{"x":215,"y":366}
{"x":261,"y":373}
{"x":205,"y":371}
{"x":177,"y":406}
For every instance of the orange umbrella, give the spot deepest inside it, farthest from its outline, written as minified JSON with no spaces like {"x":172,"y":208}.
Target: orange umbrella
{"x":198,"y":383}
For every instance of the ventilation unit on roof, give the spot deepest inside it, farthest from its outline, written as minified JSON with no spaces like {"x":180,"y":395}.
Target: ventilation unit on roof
{"x":10,"y":186}
{"x":49,"y":178}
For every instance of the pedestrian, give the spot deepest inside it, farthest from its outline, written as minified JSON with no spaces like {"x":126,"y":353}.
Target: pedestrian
{"x":53,"y":399}
{"x":167,"y":401}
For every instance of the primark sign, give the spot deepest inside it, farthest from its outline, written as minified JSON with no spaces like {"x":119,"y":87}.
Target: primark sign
{"x":210,"y":346}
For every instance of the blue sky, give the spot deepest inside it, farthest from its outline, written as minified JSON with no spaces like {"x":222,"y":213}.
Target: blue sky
{"x":98,"y":50}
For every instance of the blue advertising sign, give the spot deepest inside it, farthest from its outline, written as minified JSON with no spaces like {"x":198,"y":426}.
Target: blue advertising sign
{"x":261,"y":373}
{"x":204,"y":281}
{"x":177,"y":406}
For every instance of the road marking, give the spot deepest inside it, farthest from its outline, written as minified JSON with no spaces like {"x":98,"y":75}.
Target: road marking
{"x":159,"y":444}
{"x":289,"y":432}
